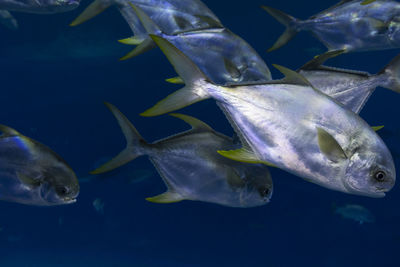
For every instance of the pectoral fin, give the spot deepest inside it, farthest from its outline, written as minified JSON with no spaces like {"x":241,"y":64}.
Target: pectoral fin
{"x":329,"y":146}
{"x":28,"y":181}
{"x":165,"y":198}
{"x":243,"y":155}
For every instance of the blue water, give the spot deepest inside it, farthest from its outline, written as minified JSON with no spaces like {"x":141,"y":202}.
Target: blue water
{"x":54,"y":79}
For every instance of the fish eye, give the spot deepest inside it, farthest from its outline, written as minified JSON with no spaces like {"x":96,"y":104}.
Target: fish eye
{"x":264,"y":192}
{"x":380,"y":176}
{"x":62,"y":190}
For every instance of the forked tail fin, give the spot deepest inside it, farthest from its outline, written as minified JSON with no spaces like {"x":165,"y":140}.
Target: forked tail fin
{"x":290,"y":22}
{"x":135,"y":147}
{"x":190,"y":74}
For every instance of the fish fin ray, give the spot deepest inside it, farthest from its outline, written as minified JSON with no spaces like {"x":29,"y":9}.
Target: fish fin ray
{"x":196,"y":124}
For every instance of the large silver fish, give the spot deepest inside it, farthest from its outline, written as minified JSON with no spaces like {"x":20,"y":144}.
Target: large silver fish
{"x":172,"y":16}
{"x":39,"y":6}
{"x":32,"y":174}
{"x":350,"y":87}
{"x":222,"y":55}
{"x":192,"y":169}
{"x":293,"y":126}
{"x":351,"y":25}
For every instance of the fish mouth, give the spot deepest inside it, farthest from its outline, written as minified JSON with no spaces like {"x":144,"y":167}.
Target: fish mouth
{"x":69,"y":200}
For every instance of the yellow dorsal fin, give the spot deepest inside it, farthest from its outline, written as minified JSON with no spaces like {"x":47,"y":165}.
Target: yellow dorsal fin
{"x":377,"y":128}
{"x":8,"y":131}
{"x":292,"y":77}
{"x":195,"y":123}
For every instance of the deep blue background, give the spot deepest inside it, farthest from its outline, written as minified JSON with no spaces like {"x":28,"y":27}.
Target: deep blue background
{"x":54,"y":79}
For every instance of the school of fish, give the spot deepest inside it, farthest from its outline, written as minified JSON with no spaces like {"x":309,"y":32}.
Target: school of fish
{"x":306,"y":124}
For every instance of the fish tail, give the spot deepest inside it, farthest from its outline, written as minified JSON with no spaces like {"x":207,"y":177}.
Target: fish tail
{"x":291,"y":23}
{"x":151,"y":28}
{"x":91,"y":11}
{"x":392,"y":71}
{"x":136,"y":145}
{"x":194,"y":79}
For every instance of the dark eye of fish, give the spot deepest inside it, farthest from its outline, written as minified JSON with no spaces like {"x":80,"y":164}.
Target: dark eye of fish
{"x":263,"y":192}
{"x":380,"y":176}
{"x":62,"y":190}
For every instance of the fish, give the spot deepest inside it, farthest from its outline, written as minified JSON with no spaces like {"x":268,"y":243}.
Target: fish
{"x":98,"y":205}
{"x":33,"y":174}
{"x":290,"y":125}
{"x":39,"y":6}
{"x":350,"y":25}
{"x":222,"y":55}
{"x":172,"y":16}
{"x":192,"y":169}
{"x":351,"y":88}
{"x":8,"y":20}
{"x":356,"y":213}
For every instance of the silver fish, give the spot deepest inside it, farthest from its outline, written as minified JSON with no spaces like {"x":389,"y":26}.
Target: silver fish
{"x":31,"y":173}
{"x":293,"y":126}
{"x":192,"y":169}
{"x":222,"y":55}
{"x":355,"y":212}
{"x":39,"y":6}
{"x":350,"y":87}
{"x":8,"y":20}
{"x":172,"y":16}
{"x":350,"y":25}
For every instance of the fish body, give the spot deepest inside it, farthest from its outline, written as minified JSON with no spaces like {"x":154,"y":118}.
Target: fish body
{"x":293,"y":126}
{"x":31,"y":173}
{"x":8,"y":20}
{"x":39,"y":6}
{"x":192,"y":169}
{"x":222,"y":55}
{"x":356,"y":212}
{"x":350,"y":87}
{"x":349,"y":25}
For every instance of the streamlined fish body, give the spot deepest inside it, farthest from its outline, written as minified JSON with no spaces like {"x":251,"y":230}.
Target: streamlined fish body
{"x":351,"y":25}
{"x":192,"y":169}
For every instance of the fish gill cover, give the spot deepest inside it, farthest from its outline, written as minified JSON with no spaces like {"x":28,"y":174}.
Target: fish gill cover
{"x":55,"y":79}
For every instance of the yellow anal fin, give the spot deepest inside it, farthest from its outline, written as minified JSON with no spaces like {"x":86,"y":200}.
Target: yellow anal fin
{"x":134,"y":40}
{"x":175,"y":80}
{"x":143,"y":47}
{"x":165,"y":198}
{"x":243,"y":155}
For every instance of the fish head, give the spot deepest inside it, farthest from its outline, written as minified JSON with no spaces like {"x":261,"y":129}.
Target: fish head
{"x":56,"y":6}
{"x":370,"y":171}
{"x":51,"y":177}
{"x":258,"y":185}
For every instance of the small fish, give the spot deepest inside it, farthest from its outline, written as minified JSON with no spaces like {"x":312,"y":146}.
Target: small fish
{"x":290,"y":125}
{"x":356,"y":213}
{"x":350,"y":87}
{"x":350,"y":25}
{"x":192,"y":169}
{"x":39,"y":6}
{"x":222,"y":55}
{"x":33,"y":174}
{"x":8,"y":20}
{"x":172,"y":16}
{"x":98,"y":205}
